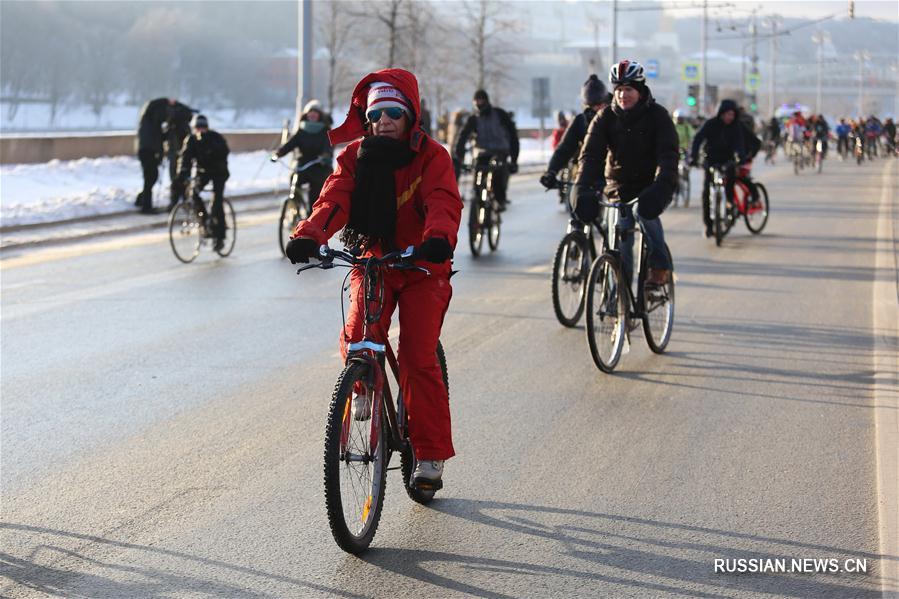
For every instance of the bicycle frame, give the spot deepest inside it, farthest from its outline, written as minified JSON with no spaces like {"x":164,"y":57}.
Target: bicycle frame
{"x":369,"y":350}
{"x":613,"y":236}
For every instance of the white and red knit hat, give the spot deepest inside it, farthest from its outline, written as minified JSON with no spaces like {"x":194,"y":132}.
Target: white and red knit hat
{"x":384,"y":95}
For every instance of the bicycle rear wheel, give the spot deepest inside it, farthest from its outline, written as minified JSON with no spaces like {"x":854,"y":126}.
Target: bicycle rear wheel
{"x":606,"y":312}
{"x":292,"y":212}
{"x":230,"y":229}
{"x":407,"y":458}
{"x":756,"y":215}
{"x":571,"y":265}
{"x":184,"y":232}
{"x":657,"y":308}
{"x":355,"y":463}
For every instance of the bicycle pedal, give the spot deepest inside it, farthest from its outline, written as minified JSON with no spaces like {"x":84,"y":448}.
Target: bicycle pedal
{"x":424,"y":484}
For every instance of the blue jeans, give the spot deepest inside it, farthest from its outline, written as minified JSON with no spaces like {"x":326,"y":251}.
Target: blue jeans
{"x":655,"y":240}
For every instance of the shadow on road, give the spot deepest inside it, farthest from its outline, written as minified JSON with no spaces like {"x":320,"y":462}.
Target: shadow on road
{"x":646,"y":556}
{"x":63,"y":572}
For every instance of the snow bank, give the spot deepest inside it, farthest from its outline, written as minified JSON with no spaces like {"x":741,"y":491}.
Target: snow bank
{"x":62,"y":190}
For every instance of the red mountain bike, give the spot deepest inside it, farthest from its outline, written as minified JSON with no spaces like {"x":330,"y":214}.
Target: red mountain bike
{"x":364,"y":426}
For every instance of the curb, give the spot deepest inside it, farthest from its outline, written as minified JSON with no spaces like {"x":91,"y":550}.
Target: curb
{"x":886,"y":383}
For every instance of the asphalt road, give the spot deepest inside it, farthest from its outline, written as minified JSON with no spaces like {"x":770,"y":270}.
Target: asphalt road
{"x":162,"y":424}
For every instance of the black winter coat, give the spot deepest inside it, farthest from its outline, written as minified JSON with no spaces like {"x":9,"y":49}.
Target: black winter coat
{"x":642,"y":149}
{"x":471,"y":126}
{"x":149,"y":132}
{"x":571,"y":141}
{"x":179,"y":117}
{"x":210,"y":152}
{"x":721,"y":141}
{"x":310,"y":145}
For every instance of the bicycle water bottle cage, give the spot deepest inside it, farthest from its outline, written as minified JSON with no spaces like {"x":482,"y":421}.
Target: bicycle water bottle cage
{"x":365,"y":344}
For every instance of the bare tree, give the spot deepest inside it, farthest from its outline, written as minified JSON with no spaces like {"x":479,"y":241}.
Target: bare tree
{"x":487,"y":33}
{"x":337,"y":25}
{"x":388,"y":13}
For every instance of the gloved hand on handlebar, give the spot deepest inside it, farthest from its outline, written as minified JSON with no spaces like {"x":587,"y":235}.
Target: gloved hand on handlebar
{"x":548,"y":180}
{"x":301,"y":249}
{"x":435,"y":249}
{"x":513,"y":168}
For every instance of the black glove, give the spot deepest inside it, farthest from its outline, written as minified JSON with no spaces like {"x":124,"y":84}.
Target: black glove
{"x":548,"y":180}
{"x":301,"y":249}
{"x":513,"y":168}
{"x":435,"y":249}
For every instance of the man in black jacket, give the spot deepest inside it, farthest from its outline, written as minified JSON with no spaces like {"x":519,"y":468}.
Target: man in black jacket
{"x":311,"y":142}
{"x":595,"y":97}
{"x":495,"y":135}
{"x":149,"y":147}
{"x":723,"y":139}
{"x":210,"y":151}
{"x":639,"y":139}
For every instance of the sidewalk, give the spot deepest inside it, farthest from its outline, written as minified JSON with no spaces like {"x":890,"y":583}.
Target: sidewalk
{"x":22,"y":236}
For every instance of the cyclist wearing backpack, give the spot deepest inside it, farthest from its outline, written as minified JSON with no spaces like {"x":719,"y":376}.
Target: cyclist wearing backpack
{"x":495,"y":135}
{"x":311,"y":142}
{"x":210,"y":151}
{"x":638,"y":137}
{"x":394,"y":187}
{"x":595,"y":97}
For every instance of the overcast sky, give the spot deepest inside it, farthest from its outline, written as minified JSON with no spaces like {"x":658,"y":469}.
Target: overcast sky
{"x":875,"y":9}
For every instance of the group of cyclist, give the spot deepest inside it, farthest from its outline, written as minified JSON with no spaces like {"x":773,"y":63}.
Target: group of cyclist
{"x":808,"y":138}
{"x":394,"y":186}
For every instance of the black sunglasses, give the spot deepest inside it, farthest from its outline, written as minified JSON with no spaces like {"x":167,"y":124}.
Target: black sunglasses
{"x":393,"y":113}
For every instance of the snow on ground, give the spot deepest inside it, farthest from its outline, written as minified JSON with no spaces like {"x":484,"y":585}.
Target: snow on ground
{"x":62,"y":190}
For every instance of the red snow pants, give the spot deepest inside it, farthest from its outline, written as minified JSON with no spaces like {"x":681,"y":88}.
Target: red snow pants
{"x":422,"y":302}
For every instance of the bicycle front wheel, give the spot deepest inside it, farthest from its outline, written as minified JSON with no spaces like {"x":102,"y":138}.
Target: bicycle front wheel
{"x":492,"y":224}
{"x":658,"y":308}
{"x":292,"y":212}
{"x":756,"y":216}
{"x":571,"y":265}
{"x":184,"y":232}
{"x":355,"y":462}
{"x":230,"y":229}
{"x":477,"y":216}
{"x":720,"y":216}
{"x":606,"y":312}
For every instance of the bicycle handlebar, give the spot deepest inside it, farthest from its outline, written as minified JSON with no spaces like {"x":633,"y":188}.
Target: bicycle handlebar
{"x":618,"y":204}
{"x":398,"y":260}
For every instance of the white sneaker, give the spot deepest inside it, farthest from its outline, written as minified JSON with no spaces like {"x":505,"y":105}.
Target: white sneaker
{"x":362,"y":406}
{"x":428,"y":475}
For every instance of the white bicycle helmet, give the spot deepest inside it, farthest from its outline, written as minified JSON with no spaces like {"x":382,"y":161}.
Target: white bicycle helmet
{"x":625,"y":72}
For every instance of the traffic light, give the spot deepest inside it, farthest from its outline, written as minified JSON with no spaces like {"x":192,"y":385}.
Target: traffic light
{"x":692,"y":95}
{"x":753,"y":105}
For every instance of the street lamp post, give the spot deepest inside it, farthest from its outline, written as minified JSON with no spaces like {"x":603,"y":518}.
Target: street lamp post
{"x":820,"y":38}
{"x":861,"y":56}
{"x":304,"y":55}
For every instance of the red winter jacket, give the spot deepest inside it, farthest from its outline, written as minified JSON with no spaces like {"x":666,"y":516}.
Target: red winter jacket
{"x":427,"y":203}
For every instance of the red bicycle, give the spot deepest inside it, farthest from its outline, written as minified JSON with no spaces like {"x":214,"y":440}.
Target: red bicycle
{"x":750,"y":199}
{"x":365,"y":427}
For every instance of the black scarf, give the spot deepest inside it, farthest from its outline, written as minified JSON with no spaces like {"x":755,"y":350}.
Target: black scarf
{"x":373,"y":202}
